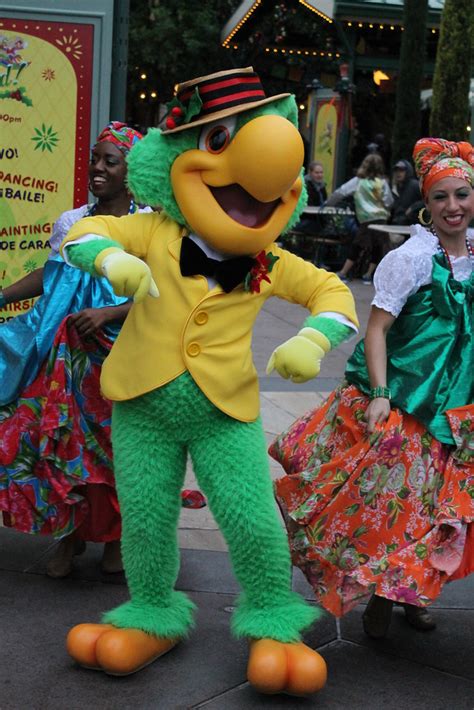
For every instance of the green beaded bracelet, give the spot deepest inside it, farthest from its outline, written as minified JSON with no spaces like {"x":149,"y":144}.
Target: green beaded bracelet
{"x":380,"y":392}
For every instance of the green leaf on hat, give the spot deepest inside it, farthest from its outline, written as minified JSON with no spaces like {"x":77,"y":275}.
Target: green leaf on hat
{"x":194,"y":106}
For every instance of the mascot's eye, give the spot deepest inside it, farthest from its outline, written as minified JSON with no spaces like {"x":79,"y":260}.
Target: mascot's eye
{"x":217,"y":139}
{"x":216,"y":136}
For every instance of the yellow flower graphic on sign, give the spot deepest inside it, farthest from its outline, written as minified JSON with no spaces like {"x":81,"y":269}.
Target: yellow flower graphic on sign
{"x":48,"y":74}
{"x":70,"y":45}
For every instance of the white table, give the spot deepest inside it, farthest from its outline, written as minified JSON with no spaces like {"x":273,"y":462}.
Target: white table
{"x":344,"y":211}
{"x":391,"y":228}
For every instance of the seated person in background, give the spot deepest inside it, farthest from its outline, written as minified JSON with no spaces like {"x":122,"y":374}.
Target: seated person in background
{"x":317,"y":196}
{"x":406,"y":194}
{"x":315,"y":185}
{"x":373,"y":200}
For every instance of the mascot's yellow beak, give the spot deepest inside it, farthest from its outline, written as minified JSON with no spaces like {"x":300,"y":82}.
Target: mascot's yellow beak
{"x":240,"y":199}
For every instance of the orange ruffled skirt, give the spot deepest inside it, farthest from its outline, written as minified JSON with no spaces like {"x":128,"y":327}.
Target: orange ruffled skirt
{"x":389,"y":513}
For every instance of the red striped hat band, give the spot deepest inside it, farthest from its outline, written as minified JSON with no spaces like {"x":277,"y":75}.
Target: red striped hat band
{"x":222,"y":93}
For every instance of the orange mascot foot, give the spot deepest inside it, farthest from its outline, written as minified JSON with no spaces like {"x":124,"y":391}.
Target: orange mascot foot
{"x":125,"y":651}
{"x":291,"y":668}
{"x":81,"y":643}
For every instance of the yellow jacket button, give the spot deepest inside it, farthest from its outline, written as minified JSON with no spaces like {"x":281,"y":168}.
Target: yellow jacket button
{"x":193,"y":349}
{"x":201,"y":318}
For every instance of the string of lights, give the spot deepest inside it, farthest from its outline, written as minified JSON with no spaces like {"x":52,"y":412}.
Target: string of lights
{"x":304,"y":52}
{"x":380,"y":26}
{"x":241,"y":22}
{"x":293,"y":50}
{"x":316,"y":11}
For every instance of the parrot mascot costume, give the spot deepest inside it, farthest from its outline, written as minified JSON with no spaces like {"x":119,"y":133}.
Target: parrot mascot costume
{"x":227,"y":173}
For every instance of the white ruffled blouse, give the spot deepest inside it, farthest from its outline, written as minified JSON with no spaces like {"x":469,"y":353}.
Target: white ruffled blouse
{"x":406,"y":269}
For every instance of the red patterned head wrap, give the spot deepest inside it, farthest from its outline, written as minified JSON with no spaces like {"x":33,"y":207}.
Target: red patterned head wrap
{"x":121,"y":135}
{"x":436,"y":158}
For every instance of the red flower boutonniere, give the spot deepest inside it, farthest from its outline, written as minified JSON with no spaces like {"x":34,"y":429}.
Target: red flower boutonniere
{"x":263,"y":265}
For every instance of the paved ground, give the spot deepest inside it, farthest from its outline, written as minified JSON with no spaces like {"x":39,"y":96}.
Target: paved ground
{"x":433,"y":671}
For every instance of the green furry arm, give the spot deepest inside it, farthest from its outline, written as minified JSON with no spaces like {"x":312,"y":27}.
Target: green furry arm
{"x":83,"y":255}
{"x":334,"y":331}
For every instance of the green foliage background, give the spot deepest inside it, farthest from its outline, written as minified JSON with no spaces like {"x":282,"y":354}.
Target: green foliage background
{"x":406,"y":129}
{"x":172,"y":41}
{"x":450,"y":108}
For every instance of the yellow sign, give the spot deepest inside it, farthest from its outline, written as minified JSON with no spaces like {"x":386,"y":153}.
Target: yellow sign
{"x":324,"y":144}
{"x":42,"y":77}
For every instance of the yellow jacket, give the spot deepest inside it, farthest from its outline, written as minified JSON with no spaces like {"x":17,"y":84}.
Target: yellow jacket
{"x":190,"y":327}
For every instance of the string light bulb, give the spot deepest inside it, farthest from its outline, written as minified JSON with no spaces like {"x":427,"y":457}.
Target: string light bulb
{"x":379,"y":76}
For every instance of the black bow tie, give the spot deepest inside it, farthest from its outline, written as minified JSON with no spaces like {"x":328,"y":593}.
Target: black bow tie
{"x":228,"y":273}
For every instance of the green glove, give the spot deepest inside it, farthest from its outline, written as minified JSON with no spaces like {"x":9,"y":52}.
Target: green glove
{"x":299,"y":358}
{"x":128,"y":275}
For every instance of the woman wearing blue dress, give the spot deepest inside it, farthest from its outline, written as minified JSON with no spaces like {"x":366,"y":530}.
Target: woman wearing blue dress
{"x":56,"y":473}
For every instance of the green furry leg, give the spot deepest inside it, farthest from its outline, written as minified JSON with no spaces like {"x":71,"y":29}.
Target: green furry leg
{"x":149,"y":474}
{"x":281,"y":622}
{"x":172,"y":621}
{"x":231,"y":465}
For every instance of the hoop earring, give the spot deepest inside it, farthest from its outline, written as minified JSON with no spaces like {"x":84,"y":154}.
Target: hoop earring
{"x":424,"y":219}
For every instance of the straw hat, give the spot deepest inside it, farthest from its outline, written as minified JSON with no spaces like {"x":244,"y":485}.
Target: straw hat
{"x":215,"y":96}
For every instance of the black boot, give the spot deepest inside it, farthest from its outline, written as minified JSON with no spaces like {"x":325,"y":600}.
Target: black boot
{"x":377,"y":616}
{"x":419,"y":617}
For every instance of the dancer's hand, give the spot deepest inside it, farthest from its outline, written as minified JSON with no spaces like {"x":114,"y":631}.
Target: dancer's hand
{"x":89,"y":320}
{"x":128,"y":275}
{"x":377,"y":413}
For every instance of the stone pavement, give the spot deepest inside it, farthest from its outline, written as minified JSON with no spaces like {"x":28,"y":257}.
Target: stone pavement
{"x":431,"y":671}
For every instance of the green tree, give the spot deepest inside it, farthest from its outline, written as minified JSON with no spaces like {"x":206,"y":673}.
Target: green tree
{"x":450,"y":107}
{"x":172,"y":41}
{"x":406,"y":129}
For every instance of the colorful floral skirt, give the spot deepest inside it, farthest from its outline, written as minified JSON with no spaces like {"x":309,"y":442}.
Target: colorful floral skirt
{"x":389,"y":513}
{"x":56,"y":472}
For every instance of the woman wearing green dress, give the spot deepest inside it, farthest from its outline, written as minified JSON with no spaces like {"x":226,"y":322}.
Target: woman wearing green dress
{"x":379,"y":496}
